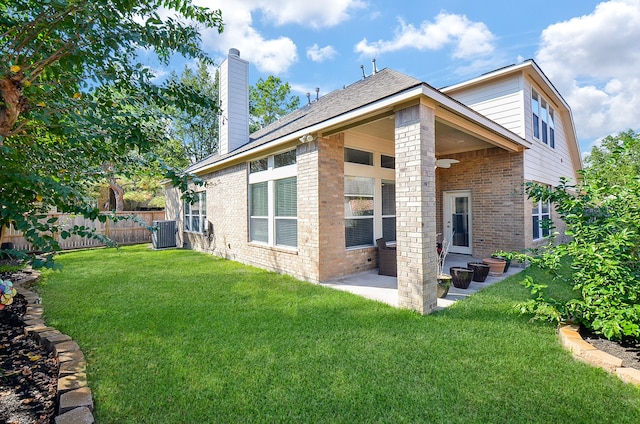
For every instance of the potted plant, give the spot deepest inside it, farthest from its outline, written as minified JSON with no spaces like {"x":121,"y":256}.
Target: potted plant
{"x":480,"y":271}
{"x":444,"y":280}
{"x":506,"y":257}
{"x":461,"y":277}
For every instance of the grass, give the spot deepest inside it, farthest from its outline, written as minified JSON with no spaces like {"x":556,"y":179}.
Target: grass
{"x":177,"y":336}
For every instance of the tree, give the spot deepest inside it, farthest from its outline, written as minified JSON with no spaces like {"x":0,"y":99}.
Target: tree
{"x":617,"y":159}
{"x":268,"y":101}
{"x":198,"y":132}
{"x":74,"y":97}
{"x":602,"y":216}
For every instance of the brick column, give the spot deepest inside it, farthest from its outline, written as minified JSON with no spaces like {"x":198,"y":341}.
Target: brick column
{"x":321,"y":208}
{"x":416,"y":207}
{"x":332,"y":260}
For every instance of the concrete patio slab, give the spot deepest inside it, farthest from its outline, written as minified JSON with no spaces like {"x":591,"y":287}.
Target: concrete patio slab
{"x":382,"y":288}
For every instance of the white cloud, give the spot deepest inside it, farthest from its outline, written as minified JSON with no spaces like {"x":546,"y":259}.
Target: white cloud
{"x":316,"y":14}
{"x":593,"y":60}
{"x":271,"y":55}
{"x":470,"y":39}
{"x":318,"y":54}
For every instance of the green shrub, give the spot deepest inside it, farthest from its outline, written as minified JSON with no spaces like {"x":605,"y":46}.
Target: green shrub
{"x":603,"y":222}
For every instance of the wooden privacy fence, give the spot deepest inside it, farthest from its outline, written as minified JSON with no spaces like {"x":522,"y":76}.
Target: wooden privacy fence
{"x":122,"y":232}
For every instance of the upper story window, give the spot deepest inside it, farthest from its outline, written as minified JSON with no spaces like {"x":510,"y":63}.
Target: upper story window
{"x":195,"y":214}
{"x":543,"y":120}
{"x":273,"y":200}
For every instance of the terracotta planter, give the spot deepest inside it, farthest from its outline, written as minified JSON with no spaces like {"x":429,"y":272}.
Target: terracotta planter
{"x":444,"y":283}
{"x":497,"y":266}
{"x":461,"y":277}
{"x":507,"y":264}
{"x":480,"y":271}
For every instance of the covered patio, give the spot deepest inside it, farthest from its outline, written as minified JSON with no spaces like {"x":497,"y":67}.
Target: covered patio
{"x":371,"y":285}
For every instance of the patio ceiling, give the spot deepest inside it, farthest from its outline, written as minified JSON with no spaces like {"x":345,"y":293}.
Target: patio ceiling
{"x":449,"y":139}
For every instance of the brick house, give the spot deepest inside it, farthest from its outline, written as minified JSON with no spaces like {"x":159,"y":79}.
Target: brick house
{"x":388,"y":156}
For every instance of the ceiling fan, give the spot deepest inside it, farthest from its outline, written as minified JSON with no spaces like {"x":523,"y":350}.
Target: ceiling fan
{"x":445,"y":163}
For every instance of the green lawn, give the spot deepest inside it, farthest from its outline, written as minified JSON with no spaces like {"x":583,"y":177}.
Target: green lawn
{"x":177,"y":336}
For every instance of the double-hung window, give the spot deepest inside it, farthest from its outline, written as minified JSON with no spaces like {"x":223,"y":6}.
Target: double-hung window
{"x":358,"y":207}
{"x":541,"y":218}
{"x":369,"y":197}
{"x":543,"y":120}
{"x":195,"y":214}
{"x":273,"y":200}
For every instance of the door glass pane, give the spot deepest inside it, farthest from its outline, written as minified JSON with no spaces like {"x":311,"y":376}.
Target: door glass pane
{"x":460,"y":222}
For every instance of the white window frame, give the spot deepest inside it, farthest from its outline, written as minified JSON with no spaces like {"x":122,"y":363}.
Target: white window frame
{"x":378,"y":174}
{"x":270,"y":176}
{"x":537,"y":211}
{"x":544,"y":115}
{"x":201,"y":214}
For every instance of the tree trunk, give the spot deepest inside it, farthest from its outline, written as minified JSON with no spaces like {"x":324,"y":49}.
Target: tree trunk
{"x":13,"y":104}
{"x":118,"y":192}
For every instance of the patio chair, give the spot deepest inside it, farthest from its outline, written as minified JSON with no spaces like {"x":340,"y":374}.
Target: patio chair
{"x":387,"y":259}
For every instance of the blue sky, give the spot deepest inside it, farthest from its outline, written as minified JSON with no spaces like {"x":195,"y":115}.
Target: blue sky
{"x":589,"y":49}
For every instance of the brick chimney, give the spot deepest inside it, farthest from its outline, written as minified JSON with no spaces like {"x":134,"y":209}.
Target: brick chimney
{"x":234,"y":102}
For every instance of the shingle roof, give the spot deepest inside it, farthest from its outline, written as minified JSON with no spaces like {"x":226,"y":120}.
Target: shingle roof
{"x":375,"y":87}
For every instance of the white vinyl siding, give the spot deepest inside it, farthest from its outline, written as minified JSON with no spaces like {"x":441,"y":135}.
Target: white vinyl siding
{"x":500,"y":101}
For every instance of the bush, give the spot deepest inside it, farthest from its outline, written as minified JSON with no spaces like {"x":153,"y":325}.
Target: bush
{"x":603,"y":222}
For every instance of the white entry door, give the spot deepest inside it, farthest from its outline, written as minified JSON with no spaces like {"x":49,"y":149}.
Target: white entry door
{"x":457,"y":220}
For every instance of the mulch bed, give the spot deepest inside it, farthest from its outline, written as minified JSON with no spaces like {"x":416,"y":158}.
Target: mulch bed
{"x":627,"y":350}
{"x":29,"y":373}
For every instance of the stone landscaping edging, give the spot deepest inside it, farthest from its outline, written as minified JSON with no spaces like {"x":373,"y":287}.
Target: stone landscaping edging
{"x":74,"y":401}
{"x":583,"y":351}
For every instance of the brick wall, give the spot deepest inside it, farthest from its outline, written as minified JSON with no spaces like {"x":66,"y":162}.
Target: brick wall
{"x":321,"y":253}
{"x":500,"y":216}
